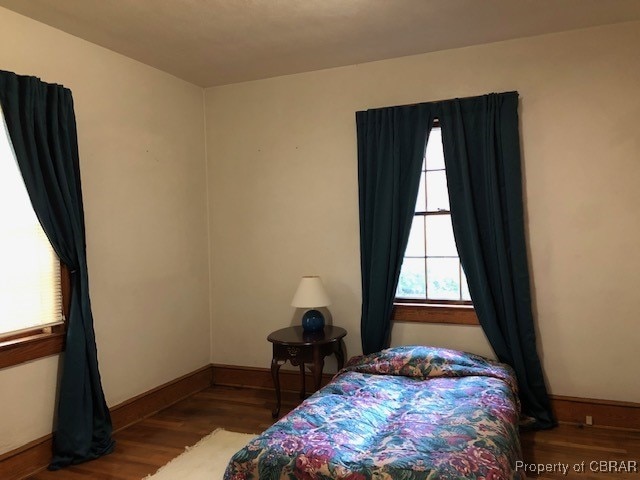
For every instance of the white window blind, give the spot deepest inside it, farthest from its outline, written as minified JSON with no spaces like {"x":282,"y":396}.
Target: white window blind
{"x":30,"y":286}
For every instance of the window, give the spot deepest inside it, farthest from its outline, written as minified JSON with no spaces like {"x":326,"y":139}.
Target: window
{"x":432,"y":286}
{"x":33,"y":279}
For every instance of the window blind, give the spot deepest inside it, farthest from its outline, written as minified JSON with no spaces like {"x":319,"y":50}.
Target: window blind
{"x":30,"y":284}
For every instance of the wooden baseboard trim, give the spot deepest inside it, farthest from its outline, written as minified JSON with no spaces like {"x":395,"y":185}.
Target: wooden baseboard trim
{"x":148,"y":403}
{"x":605,"y":413}
{"x":255,"y":377}
{"x":35,"y":456}
{"x":26,"y":460}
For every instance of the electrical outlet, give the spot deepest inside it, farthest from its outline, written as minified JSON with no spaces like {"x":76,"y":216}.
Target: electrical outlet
{"x":589,"y":420}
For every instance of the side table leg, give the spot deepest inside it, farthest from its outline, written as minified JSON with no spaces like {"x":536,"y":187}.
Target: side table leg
{"x":339,"y":355}
{"x":318,"y":365}
{"x":303,"y":391}
{"x":275,"y":368}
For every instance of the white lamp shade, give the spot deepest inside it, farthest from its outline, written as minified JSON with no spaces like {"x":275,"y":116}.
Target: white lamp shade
{"x":310,"y":294}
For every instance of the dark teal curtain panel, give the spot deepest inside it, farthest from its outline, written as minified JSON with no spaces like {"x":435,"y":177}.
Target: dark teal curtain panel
{"x":42,"y":126}
{"x":391,"y":145}
{"x":482,"y":159}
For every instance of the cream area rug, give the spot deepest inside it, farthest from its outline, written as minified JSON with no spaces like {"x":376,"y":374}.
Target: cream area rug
{"x":207,"y":459}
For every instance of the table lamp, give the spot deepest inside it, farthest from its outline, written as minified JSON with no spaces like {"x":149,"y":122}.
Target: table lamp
{"x":311,"y":294}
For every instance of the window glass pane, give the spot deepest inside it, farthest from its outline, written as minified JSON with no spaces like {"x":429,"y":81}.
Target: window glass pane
{"x":443,"y":279}
{"x":440,"y":240}
{"x":421,"y":201}
{"x":415,"y":247}
{"x":437,"y":196}
{"x":431,"y":245}
{"x":412,"y":282}
{"x":30,"y":292}
{"x":435,"y":155}
{"x":465,"y":287}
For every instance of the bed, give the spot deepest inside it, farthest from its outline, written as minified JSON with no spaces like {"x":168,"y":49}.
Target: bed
{"x":404,"y":413}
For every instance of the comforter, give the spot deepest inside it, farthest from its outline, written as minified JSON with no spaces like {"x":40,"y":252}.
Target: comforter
{"x":405,"y":413}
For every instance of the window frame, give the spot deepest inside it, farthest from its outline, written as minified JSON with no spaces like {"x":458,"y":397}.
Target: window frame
{"x":38,"y":342}
{"x":411,"y":310}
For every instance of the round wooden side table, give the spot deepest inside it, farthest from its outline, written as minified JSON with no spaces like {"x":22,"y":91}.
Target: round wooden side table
{"x":299,"y":348}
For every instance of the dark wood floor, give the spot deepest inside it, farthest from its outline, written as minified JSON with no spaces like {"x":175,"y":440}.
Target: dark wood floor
{"x":572,"y":445}
{"x":144,"y":447}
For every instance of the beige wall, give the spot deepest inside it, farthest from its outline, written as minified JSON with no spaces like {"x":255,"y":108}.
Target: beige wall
{"x":282,"y":180}
{"x":141,"y":136}
{"x":283,"y":197}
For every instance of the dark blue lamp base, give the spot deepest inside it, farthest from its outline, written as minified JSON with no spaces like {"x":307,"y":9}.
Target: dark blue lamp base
{"x":312,"y":321}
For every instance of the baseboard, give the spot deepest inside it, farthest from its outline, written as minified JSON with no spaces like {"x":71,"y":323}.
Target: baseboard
{"x":148,"y":403}
{"x":35,"y":456}
{"x":256,"y":377}
{"x":604,"y":413}
{"x":26,"y":460}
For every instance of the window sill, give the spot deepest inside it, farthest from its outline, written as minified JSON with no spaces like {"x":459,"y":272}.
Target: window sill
{"x":37,"y":345}
{"x":434,"y":313}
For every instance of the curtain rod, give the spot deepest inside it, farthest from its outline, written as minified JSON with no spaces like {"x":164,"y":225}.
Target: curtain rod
{"x":444,"y":100}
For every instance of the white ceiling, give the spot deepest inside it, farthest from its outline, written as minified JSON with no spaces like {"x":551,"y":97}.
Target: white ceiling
{"x":215,"y":42}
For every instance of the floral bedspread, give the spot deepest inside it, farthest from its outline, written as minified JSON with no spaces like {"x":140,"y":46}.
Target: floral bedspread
{"x":405,"y":413}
